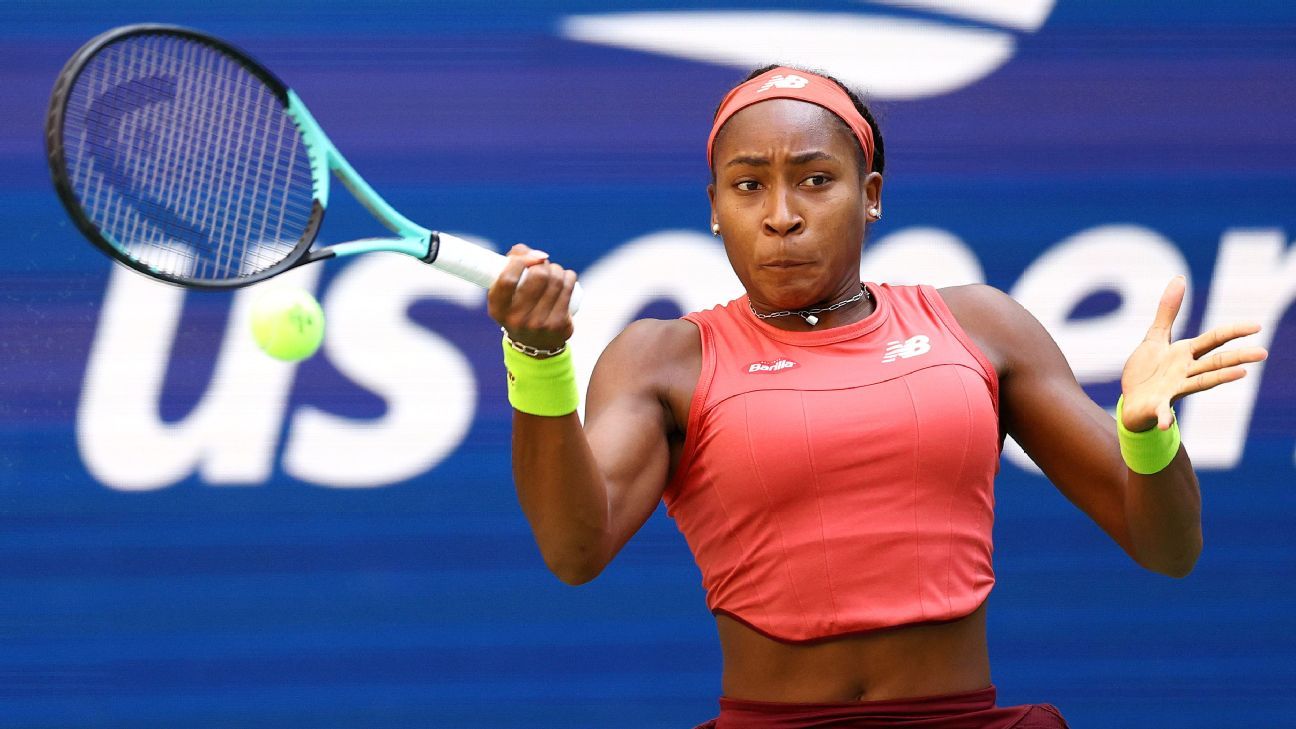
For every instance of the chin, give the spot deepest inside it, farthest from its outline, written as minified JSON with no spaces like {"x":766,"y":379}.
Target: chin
{"x":786,"y":290}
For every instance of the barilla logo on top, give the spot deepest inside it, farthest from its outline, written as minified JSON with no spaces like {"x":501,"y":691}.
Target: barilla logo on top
{"x":770,"y":366}
{"x":790,"y":81}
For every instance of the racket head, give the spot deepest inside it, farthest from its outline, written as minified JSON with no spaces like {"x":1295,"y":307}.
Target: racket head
{"x":173,"y":152}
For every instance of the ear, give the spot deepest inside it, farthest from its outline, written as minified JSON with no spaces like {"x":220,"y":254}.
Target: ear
{"x":873,"y":191}
{"x":711,"y":197}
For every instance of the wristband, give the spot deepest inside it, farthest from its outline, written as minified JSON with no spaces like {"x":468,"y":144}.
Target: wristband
{"x":1149,"y":451}
{"x":541,"y":386}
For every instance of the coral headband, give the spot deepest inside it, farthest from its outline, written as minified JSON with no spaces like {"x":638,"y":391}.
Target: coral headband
{"x":791,"y":83}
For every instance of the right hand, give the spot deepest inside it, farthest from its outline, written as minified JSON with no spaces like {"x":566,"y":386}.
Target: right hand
{"x":536,"y":311}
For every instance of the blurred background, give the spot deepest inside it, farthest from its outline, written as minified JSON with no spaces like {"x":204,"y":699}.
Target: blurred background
{"x":194,"y":535}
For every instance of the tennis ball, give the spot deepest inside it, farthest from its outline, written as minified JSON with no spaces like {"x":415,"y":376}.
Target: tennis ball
{"x":287,"y":323}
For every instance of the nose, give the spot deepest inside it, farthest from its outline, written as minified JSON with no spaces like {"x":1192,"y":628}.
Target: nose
{"x":781,"y":216}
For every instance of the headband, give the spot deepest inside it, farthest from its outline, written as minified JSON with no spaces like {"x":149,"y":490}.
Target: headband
{"x":792,"y":83}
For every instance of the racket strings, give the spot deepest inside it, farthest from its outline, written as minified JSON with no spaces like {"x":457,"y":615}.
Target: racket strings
{"x":185,"y":160}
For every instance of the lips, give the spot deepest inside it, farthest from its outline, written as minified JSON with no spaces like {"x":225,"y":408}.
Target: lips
{"x":784,"y":263}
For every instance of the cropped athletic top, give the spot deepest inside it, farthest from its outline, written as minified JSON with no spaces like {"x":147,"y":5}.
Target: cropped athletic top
{"x":842,"y":480}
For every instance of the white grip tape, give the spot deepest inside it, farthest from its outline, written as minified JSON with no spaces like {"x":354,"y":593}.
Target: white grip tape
{"x":481,"y":266}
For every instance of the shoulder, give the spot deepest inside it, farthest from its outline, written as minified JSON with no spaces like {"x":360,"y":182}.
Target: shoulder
{"x":652,"y":351}
{"x":650,"y":338}
{"x":1000,"y":326}
{"x":981,"y":306}
{"x":657,"y":360}
{"x":977,"y":300}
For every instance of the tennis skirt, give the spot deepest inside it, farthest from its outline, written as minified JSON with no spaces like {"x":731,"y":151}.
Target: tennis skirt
{"x":966,"y":710}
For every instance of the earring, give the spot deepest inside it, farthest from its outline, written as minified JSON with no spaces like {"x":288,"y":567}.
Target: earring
{"x":875,"y":213}
{"x":715,"y":229}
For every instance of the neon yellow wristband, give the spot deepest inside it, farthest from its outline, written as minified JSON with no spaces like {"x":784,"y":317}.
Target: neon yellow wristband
{"x":541,"y":386}
{"x":1149,"y":451}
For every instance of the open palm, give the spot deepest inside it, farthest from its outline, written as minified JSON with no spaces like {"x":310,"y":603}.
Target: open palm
{"x":1161,"y":371}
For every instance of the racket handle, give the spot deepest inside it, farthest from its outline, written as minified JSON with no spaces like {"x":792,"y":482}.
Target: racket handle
{"x":478,"y":265}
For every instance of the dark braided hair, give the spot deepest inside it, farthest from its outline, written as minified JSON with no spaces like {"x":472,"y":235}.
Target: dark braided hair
{"x":879,"y":150}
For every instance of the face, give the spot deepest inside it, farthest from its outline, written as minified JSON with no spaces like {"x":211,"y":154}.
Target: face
{"x":791,"y":203}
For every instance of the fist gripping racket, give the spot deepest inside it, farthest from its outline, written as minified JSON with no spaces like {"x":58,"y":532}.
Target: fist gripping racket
{"x":181,"y":157}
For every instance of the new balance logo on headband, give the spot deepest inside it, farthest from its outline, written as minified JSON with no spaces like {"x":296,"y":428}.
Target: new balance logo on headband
{"x":789,"y":81}
{"x":911,"y":347}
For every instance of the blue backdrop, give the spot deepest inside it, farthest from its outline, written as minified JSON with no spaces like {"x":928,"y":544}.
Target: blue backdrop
{"x":192,"y":535}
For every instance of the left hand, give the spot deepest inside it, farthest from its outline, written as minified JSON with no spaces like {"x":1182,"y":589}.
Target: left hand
{"x":1160,"y":371}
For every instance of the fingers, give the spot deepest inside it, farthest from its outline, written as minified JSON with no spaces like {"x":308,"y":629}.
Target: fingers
{"x":1209,"y":340}
{"x":1230,"y":358}
{"x":1165,"y":416}
{"x":549,"y":288}
{"x":499,"y":297}
{"x":1221,"y":367}
{"x":557,"y":297}
{"x":1168,"y":308}
{"x":530,"y":299}
{"x":1215,"y":378}
{"x":556,"y":306}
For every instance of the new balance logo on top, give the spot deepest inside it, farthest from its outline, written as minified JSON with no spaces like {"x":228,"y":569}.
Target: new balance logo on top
{"x":790,"y":81}
{"x":777,"y":365}
{"x":911,"y":347}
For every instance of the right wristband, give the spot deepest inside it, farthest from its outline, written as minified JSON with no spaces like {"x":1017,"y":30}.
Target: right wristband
{"x":1149,"y":451}
{"x":541,"y":386}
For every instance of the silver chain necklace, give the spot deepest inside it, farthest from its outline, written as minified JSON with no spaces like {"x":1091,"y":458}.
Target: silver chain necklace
{"x":809,"y":314}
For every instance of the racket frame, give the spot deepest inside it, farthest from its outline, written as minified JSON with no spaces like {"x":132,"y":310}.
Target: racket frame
{"x":448,"y":253}
{"x":326,"y":161}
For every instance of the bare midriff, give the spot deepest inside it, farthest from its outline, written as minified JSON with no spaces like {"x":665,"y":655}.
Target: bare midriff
{"x":904,"y":662}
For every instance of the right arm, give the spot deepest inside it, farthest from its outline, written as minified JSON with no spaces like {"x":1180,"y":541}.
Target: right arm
{"x":586,"y":490}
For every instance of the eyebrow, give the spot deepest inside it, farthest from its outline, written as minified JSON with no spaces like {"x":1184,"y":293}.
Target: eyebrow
{"x":800,"y":159}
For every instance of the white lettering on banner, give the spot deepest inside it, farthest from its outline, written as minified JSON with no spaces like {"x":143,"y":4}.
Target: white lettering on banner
{"x":430,"y":389}
{"x":1255,"y":280}
{"x":428,"y":384}
{"x":229,"y":437}
{"x":922,"y":57}
{"x":1023,"y":15}
{"x":1133,"y":261}
{"x":921,"y":255}
{"x":682,"y":266}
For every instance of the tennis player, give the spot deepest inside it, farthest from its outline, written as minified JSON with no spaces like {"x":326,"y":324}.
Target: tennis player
{"x":828,"y":447}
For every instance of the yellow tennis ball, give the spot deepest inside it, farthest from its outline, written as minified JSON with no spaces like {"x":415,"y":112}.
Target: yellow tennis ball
{"x":287,"y":323}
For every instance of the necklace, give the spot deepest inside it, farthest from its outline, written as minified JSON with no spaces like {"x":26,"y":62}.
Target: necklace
{"x":809,"y":314}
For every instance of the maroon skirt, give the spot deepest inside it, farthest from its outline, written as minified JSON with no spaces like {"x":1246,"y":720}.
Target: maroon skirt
{"x":966,"y":710}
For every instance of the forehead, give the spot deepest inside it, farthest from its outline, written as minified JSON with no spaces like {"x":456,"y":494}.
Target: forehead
{"x":784,"y":123}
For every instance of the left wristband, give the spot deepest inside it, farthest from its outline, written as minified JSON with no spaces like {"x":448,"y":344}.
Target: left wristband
{"x":541,"y":386}
{"x":1148,"y":451}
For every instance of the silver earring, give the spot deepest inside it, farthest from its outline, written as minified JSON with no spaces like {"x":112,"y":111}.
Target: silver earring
{"x":715,"y":229}
{"x":875,"y":213}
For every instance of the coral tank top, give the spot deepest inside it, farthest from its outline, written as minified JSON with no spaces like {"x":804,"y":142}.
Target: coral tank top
{"x":840,"y":481}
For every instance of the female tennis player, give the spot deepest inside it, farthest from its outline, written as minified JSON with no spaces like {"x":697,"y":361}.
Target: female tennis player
{"x":828,"y":447}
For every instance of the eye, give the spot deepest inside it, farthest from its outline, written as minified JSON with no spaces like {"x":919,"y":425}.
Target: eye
{"x":747,"y":185}
{"x":817,"y":180}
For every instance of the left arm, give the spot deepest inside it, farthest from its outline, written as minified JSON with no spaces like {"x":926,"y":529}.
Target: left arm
{"x":1155,"y":518}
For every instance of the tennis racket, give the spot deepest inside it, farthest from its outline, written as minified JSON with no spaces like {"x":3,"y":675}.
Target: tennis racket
{"x":181,"y":157}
